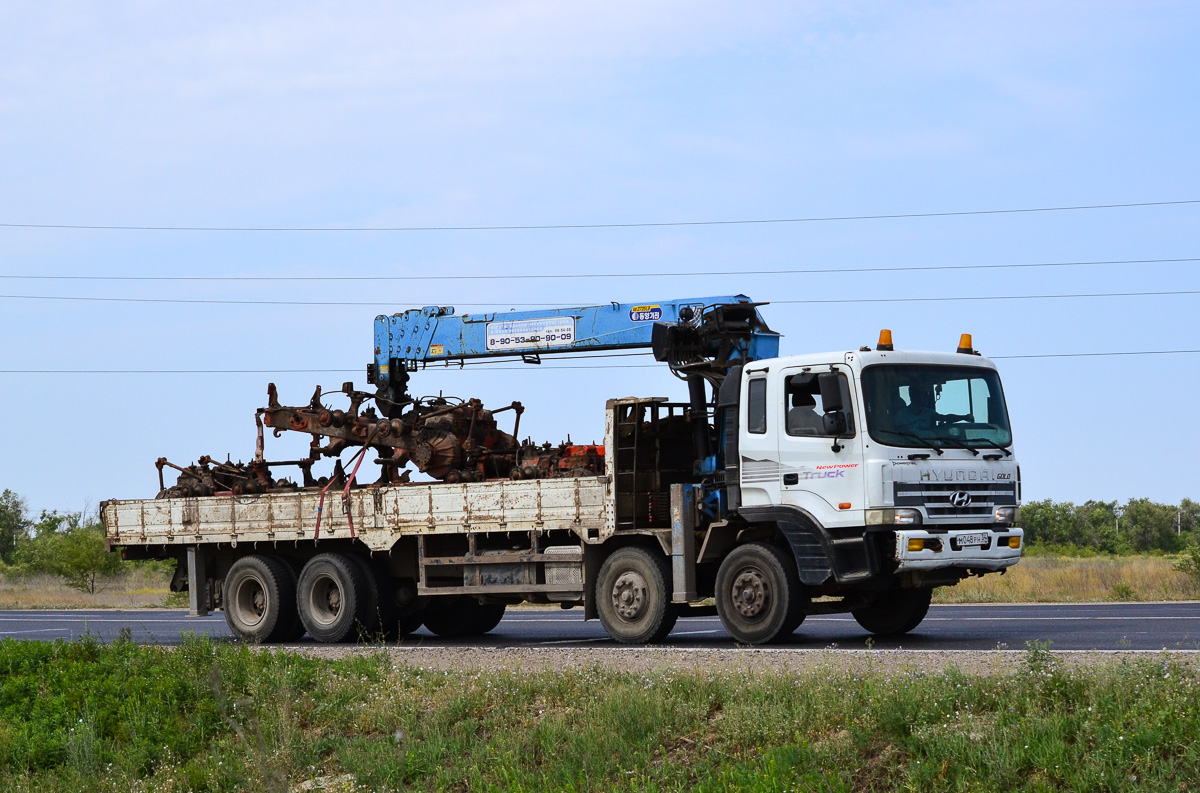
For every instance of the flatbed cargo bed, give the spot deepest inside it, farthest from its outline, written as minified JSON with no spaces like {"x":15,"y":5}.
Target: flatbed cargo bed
{"x":380,"y":515}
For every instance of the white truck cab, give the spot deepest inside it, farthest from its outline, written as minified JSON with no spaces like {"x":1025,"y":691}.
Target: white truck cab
{"x":912,"y":447}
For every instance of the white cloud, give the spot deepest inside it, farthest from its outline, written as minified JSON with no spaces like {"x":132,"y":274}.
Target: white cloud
{"x":289,"y":48}
{"x":447,"y":103}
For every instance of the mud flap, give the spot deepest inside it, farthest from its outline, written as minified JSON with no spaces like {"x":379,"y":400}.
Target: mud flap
{"x":812,"y":557}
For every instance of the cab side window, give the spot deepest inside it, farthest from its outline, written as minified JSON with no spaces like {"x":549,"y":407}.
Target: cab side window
{"x":805,"y":414}
{"x":756,"y":406}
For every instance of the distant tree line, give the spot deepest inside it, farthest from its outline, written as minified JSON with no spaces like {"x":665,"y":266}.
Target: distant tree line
{"x":1140,"y":525}
{"x":71,"y":545}
{"x":67,"y":545}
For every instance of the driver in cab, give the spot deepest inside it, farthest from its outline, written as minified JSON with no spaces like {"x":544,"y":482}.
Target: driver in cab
{"x":920,"y":416}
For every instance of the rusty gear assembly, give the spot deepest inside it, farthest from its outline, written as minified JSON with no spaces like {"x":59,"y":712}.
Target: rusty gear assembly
{"x":448,"y":439}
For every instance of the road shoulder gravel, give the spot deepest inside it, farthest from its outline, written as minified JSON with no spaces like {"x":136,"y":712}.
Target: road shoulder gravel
{"x":745,"y":661}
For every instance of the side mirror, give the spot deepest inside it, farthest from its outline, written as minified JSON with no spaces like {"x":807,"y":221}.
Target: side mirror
{"x":830,"y":384}
{"x":835,"y":423}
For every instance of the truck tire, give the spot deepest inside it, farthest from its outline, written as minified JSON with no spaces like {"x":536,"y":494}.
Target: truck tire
{"x":407,"y":609}
{"x":488,"y":618}
{"x":759,"y":595}
{"x":408,"y":623}
{"x":463,"y":617}
{"x":259,"y":598}
{"x":297,"y":631}
{"x":332,"y":594}
{"x":379,"y":610}
{"x":895,"y":612}
{"x":450,"y":619}
{"x":632,"y":597}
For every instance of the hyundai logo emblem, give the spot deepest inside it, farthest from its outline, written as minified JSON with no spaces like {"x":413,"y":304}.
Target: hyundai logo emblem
{"x":960,"y":498}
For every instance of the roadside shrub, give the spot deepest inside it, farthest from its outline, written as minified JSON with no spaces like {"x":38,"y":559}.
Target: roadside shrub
{"x":1123,"y":591}
{"x":70,"y":546}
{"x":1189,"y":560}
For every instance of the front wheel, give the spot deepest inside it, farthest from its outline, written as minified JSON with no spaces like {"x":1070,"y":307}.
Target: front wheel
{"x":895,"y":612}
{"x":759,"y":595}
{"x":632,"y":598}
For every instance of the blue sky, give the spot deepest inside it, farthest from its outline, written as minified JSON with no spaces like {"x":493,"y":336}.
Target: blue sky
{"x":541,"y":113}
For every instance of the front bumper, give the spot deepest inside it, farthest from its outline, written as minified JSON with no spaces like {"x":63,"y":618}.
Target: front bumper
{"x":943,"y":550}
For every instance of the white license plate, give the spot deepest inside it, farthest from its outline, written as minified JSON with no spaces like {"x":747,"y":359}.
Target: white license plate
{"x":980,"y":538}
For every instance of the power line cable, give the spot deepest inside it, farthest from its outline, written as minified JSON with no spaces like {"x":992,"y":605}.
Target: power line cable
{"x":1092,"y":354}
{"x":983,"y":297}
{"x":964,"y":298}
{"x":528,"y":368}
{"x":525,"y":368}
{"x":560,"y":276}
{"x":553,"y":226}
{"x":181,"y":371}
{"x":551,"y":356}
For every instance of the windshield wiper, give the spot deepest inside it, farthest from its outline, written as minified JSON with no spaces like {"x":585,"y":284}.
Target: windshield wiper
{"x":960,"y":445}
{"x":920,"y":441}
{"x":994,"y":445}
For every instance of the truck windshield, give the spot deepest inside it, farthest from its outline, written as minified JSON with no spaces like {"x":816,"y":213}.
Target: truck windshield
{"x":914,"y":405}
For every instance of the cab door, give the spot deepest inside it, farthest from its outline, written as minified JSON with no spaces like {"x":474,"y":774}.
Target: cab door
{"x":758,"y":447}
{"x":827,"y":483}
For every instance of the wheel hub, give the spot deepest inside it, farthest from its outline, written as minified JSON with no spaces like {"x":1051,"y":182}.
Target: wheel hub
{"x":249,"y":601}
{"x":750,"y":593}
{"x":630,"y":595}
{"x":325,"y":600}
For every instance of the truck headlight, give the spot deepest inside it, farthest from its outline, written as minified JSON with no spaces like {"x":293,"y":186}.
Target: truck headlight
{"x":893,"y":517}
{"x":1006,"y":514}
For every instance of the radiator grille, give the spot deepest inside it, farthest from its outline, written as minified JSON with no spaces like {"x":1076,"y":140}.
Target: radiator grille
{"x":945,"y":499}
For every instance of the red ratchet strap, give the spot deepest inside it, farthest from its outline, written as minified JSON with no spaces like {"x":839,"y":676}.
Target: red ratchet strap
{"x":346,"y":493}
{"x":361,"y":455}
{"x":320,"y":507}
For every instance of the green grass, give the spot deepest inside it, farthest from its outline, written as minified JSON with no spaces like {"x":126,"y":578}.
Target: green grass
{"x":213,"y":716}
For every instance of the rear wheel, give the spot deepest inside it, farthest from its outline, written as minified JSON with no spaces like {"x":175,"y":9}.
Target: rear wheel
{"x":259,"y":598}
{"x":407,"y":623}
{"x":379,"y":607}
{"x":759,"y":595}
{"x":332,"y":594}
{"x":632,"y":598}
{"x":407,"y":610}
{"x":297,"y":631}
{"x":895,"y":612}
{"x":489,"y":617}
{"x":465,"y":616}
{"x":450,"y":619}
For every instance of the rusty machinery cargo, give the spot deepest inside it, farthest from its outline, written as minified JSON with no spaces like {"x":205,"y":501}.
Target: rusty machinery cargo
{"x":853,"y":481}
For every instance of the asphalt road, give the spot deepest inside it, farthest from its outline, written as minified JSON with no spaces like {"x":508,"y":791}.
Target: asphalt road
{"x":1100,"y":626}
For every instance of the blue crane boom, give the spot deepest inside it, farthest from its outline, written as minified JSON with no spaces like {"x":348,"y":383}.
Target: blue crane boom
{"x":407,"y":340}
{"x":701,"y":339}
